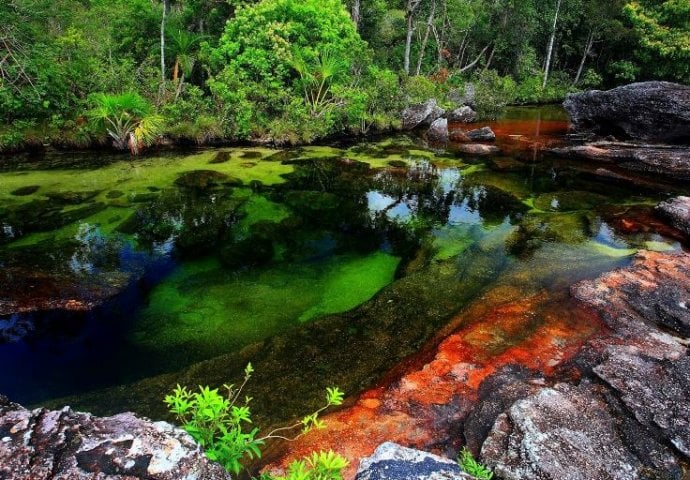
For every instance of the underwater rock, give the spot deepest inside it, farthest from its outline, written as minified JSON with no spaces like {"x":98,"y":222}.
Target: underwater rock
{"x":249,"y":252}
{"x":114,"y":194}
{"x":506,"y":164}
{"x":63,"y":444}
{"x":72,"y":198}
{"x":25,"y":290}
{"x":438,"y":131}
{"x":24,"y":191}
{"x":564,"y":433}
{"x":649,"y":111}
{"x":204,"y":179}
{"x":671,"y":162}
{"x":484,"y":134}
{"x":677,"y":212}
{"x":463,"y":115}
{"x":569,"y":201}
{"x":220,"y":157}
{"x":421,"y":115}
{"x":478,"y":149}
{"x":391,"y":461}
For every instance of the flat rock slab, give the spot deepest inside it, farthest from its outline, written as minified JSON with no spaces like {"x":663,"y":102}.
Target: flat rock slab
{"x":651,"y":111}
{"x":391,"y":461}
{"x":62,"y":444}
{"x":671,"y":162}
{"x":656,"y":391}
{"x":677,"y":212}
{"x":562,"y":433}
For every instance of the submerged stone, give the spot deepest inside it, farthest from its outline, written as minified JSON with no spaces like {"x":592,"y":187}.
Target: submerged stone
{"x":72,"y":198}
{"x":569,"y":201}
{"x":204,"y":179}
{"x":114,"y":194}
{"x":220,"y":157}
{"x":25,"y":191}
{"x":246,"y":253}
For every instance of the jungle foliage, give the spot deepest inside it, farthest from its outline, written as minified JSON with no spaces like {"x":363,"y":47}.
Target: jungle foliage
{"x":293,"y":71}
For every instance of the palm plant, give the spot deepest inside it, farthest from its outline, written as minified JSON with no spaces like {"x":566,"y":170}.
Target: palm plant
{"x":184,"y":47}
{"x":317,"y":77}
{"x":127,"y":118}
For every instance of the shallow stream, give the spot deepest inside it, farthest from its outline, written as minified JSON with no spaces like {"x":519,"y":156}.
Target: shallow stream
{"x":325,"y":265}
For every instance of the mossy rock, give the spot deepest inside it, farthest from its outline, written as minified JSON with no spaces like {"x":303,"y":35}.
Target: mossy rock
{"x":252,"y":251}
{"x":398,"y":164}
{"x":251,"y":155}
{"x":72,"y":198}
{"x":205,"y":179}
{"x":568,"y":201}
{"x":25,"y":191}
{"x":113,"y":194}
{"x":220,"y":157}
{"x":143,"y":197}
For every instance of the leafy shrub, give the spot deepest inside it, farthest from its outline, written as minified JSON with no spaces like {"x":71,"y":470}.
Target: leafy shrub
{"x":319,"y":466}
{"x":492,"y":93}
{"x":419,"y":89}
{"x":217,"y":422}
{"x":471,"y":466}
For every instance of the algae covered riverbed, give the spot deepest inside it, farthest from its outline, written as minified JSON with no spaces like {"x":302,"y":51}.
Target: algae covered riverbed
{"x":322,"y":265}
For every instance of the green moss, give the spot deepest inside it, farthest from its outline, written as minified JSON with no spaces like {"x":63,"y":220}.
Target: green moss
{"x":451,"y":241}
{"x":350,"y":283}
{"x":204,"y":309}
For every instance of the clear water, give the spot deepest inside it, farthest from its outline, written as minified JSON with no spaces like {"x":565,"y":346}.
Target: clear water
{"x":322,"y":265}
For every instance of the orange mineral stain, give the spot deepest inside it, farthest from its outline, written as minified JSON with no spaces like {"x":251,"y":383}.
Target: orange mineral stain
{"x":413,"y":407}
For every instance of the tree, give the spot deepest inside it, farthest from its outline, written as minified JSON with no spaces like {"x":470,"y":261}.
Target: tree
{"x":663,"y":28}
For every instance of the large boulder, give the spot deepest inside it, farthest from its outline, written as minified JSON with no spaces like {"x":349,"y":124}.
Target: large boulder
{"x":62,"y":444}
{"x":463,"y":114}
{"x":650,"y":111}
{"x":391,"y":461}
{"x":677,"y":212}
{"x":484,"y":134}
{"x":421,"y":115}
{"x":438,"y":132}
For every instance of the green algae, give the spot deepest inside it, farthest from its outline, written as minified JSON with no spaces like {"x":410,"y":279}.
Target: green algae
{"x":353,"y":282}
{"x":452,"y":241}
{"x":203,"y":309}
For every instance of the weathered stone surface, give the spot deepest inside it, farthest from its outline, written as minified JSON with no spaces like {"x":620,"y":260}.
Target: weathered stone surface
{"x":669,"y":161}
{"x":463,"y":114}
{"x":562,"y":433}
{"x":438,"y":132}
{"x":656,"y":391}
{"x":655,"y":290}
{"x":421,"y":115}
{"x":677,"y":212}
{"x":652,"y":111}
{"x":484,"y":134}
{"x":391,"y":461}
{"x":62,"y":444}
{"x":478,"y":149}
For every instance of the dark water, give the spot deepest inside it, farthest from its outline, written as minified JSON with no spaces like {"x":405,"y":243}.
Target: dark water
{"x":322,"y":265}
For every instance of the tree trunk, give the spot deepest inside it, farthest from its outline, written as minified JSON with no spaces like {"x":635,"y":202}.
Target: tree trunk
{"x":491,"y":58}
{"x":479,"y":57}
{"x":165,"y":12}
{"x":588,"y":48}
{"x":356,"y":13}
{"x":425,"y":40}
{"x":549,"y":48}
{"x":409,"y":16}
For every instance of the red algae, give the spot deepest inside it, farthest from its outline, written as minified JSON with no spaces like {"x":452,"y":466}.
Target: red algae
{"x":417,"y":406}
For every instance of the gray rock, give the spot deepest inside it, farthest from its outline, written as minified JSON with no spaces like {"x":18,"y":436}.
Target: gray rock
{"x":62,"y":444}
{"x":656,"y":391}
{"x":438,"y":131}
{"x":463,"y":115}
{"x":677,"y":212}
{"x":421,"y":115}
{"x":651,"y":111}
{"x":478,"y":149}
{"x":562,"y":433}
{"x":391,"y":461}
{"x":484,"y":134}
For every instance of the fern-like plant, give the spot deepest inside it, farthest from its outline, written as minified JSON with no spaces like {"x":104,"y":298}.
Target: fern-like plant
{"x":473,"y":467}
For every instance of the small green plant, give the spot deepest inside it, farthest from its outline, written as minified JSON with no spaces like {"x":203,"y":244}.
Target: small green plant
{"x":318,"y":466}
{"x":220,"y":423}
{"x":473,"y":467}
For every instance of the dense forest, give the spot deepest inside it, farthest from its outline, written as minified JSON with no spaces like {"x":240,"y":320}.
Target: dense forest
{"x":130,"y":72}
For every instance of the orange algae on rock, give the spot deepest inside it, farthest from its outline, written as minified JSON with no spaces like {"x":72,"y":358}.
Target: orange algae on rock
{"x":418,"y":406}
